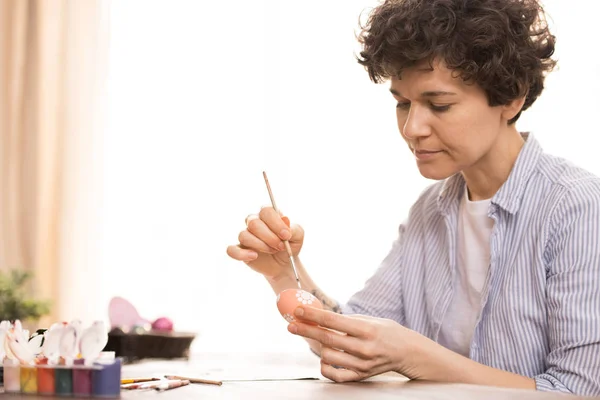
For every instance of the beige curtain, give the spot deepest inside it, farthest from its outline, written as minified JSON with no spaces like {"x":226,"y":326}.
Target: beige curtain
{"x":52,"y":64}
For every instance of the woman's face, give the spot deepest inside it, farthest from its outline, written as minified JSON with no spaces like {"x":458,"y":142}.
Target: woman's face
{"x":447,"y":123}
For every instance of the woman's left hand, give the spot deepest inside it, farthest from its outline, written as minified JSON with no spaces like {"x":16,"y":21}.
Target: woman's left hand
{"x":358,"y":346}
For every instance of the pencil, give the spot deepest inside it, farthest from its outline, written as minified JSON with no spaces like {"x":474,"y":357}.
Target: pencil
{"x":194,"y":380}
{"x":137,"y":380}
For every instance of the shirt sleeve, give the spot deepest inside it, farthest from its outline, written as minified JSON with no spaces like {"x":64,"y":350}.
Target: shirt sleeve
{"x":381,"y":295}
{"x":573,"y":294}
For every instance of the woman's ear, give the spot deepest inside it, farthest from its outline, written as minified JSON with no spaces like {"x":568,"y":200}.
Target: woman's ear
{"x":510,"y":110}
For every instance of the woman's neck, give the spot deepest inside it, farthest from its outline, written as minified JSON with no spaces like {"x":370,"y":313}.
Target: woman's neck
{"x":487,"y":176}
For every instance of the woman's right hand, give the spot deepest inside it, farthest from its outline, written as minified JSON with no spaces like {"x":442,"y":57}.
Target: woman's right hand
{"x":261,"y":244}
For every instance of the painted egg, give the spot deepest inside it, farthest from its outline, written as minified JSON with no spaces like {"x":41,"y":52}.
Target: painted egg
{"x":162,"y":324}
{"x":290,"y":299}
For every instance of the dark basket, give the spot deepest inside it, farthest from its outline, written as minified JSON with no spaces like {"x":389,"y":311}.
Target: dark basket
{"x":152,"y":344}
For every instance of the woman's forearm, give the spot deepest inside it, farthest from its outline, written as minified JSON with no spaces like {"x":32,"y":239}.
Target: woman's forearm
{"x":443,"y":365}
{"x":289,"y":282}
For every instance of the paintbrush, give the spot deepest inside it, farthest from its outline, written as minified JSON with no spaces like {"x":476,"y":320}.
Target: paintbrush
{"x":172,"y":385}
{"x":195,"y":380}
{"x":158,"y":384}
{"x":285,"y":242}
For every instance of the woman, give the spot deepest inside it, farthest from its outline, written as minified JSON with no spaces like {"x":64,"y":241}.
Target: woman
{"x":495,"y":276}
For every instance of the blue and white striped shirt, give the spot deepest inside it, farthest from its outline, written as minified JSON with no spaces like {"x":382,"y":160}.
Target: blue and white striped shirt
{"x":540,"y":308}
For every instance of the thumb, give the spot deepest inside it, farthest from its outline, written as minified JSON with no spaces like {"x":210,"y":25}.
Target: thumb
{"x":297,"y":233}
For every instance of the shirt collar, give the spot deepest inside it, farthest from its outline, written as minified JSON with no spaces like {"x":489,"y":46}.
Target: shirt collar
{"x":510,"y":194}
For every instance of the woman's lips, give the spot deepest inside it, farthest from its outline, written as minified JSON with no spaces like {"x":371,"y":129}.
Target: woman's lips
{"x":426,"y":154}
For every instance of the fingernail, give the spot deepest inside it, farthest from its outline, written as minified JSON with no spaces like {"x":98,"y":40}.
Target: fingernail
{"x":281,"y":246}
{"x":292,"y":328}
{"x":284,"y":234}
{"x":299,"y":311}
{"x":252,"y":255}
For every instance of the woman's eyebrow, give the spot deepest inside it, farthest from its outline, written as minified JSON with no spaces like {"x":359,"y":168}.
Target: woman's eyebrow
{"x":431,"y":93}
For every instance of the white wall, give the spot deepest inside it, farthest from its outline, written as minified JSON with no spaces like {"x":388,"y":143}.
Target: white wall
{"x":204,"y":95}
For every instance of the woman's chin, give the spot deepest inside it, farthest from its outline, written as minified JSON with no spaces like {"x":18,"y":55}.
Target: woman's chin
{"x":436,"y":173}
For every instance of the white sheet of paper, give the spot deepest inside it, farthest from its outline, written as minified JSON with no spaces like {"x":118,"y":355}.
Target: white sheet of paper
{"x":232,"y":367}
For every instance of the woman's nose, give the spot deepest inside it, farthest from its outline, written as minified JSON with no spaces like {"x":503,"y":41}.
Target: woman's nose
{"x":416,"y":123}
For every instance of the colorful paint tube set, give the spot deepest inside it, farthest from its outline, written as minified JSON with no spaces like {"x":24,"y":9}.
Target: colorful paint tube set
{"x":100,"y":379}
{"x":64,"y":360}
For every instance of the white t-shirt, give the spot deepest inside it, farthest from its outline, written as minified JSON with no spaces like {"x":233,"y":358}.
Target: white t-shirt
{"x":474,"y":231}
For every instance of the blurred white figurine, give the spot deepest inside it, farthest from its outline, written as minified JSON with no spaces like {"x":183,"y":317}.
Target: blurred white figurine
{"x":93,"y":341}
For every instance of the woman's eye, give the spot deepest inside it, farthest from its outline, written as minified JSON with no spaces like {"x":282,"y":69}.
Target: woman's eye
{"x":405,"y":105}
{"x":437,"y":108}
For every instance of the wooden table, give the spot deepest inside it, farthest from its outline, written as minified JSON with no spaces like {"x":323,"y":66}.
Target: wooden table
{"x":306,"y":365}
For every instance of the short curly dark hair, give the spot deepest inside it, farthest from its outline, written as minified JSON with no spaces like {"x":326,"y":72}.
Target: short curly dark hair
{"x":504,"y":46}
